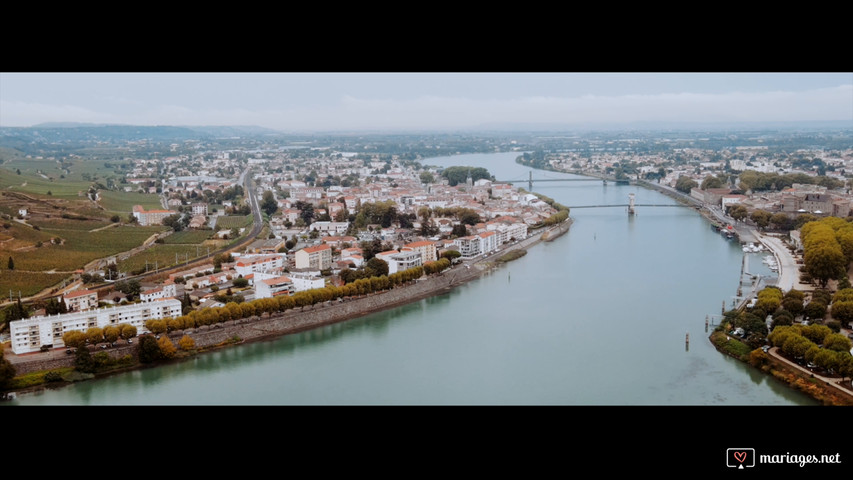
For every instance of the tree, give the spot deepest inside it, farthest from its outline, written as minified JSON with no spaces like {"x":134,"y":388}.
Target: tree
{"x":127,"y":331}
{"x":83,"y":361}
{"x":685,"y":184}
{"x":74,"y":339}
{"x":711,"y":182}
{"x":793,"y":302}
{"x":7,"y":371}
{"x":842,"y":310}
{"x":269,"y":203}
{"x":240,"y":282}
{"x":738,"y":212}
{"x":837,"y":342}
{"x":112,"y":333}
{"x":186,"y":343}
{"x":167,"y":348}
{"x":10,"y":264}
{"x":376,"y":267}
{"x":451,"y":255}
{"x":815,"y":310}
{"x":761,"y":218}
{"x":458,"y":174}
{"x":148,"y":349}
{"x":54,"y":307}
{"x":427,"y":177}
{"x":95,"y":335}
{"x":174,"y":222}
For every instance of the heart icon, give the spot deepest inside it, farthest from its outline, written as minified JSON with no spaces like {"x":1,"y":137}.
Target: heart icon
{"x":740,"y":456}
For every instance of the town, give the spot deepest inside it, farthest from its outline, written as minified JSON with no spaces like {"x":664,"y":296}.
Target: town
{"x":264,"y":219}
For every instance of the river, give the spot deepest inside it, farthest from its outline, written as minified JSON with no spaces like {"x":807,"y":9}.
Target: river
{"x":596,"y":317}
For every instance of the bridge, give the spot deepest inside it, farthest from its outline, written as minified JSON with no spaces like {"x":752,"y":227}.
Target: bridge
{"x":530,"y":180}
{"x":627,"y":205}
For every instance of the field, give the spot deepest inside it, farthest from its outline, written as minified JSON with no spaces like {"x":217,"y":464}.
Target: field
{"x":231,"y":221}
{"x":77,"y":249}
{"x":34,"y":183}
{"x":163,"y":256}
{"x":192,"y":237}
{"x":27,"y":283}
{"x":123,"y":202}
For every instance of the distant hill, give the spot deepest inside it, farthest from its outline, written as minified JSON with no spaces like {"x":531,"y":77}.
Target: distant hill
{"x":60,"y":132}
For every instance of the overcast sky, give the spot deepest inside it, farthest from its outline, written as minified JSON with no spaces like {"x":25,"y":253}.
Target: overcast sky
{"x":297,"y":102}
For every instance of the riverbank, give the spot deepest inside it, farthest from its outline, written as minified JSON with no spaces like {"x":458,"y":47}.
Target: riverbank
{"x":269,"y":326}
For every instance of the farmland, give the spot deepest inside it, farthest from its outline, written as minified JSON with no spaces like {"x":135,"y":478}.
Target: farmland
{"x":77,"y":248}
{"x":26,"y":283}
{"x":232,"y":221}
{"x":188,"y":237}
{"x":163,"y":255}
{"x":123,"y":202}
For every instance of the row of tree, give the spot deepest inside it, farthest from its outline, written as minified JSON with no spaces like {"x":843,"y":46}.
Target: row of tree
{"x":799,"y":341}
{"x":234,"y":311}
{"x":95,"y":335}
{"x":827,"y":248}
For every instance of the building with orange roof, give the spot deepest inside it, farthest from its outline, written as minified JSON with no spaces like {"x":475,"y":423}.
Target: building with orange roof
{"x":80,"y":300}
{"x":317,"y":257}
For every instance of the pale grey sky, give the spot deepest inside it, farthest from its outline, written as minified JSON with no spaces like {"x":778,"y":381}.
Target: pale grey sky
{"x":412,"y":101}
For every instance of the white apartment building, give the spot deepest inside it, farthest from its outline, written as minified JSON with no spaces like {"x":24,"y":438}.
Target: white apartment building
{"x":306,"y":282}
{"x":247,"y":264}
{"x":335,"y":228}
{"x":28,"y":335}
{"x":488,"y":242}
{"x":506,"y":232}
{"x":469,"y":246}
{"x":404,"y":260}
{"x":272,"y":287}
{"x":168,"y":289}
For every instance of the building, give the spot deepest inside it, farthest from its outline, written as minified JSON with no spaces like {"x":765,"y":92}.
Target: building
{"x":426,"y":249}
{"x":81,"y":300}
{"x":272,"y":287}
{"x":469,"y":246}
{"x":168,"y":289}
{"x":199,"y":208}
{"x":303,"y":282}
{"x":403,"y":260}
{"x":150,"y":217}
{"x":488,"y":242}
{"x":30,"y":334}
{"x":318,"y":257}
{"x":262,"y":263}
{"x":332,"y":228}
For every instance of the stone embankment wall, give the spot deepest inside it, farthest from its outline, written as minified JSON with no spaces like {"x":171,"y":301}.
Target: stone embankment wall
{"x":292,"y":321}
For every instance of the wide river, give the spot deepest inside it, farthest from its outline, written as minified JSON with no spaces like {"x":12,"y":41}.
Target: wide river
{"x":597,"y":317}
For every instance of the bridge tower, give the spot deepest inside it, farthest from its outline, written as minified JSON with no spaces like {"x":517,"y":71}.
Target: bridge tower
{"x":530,"y":181}
{"x":630,"y":204}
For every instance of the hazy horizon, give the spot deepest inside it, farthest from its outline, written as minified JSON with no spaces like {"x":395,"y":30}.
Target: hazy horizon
{"x":318,"y":102}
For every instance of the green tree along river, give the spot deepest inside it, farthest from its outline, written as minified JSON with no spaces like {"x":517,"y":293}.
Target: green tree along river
{"x":596,"y":317}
